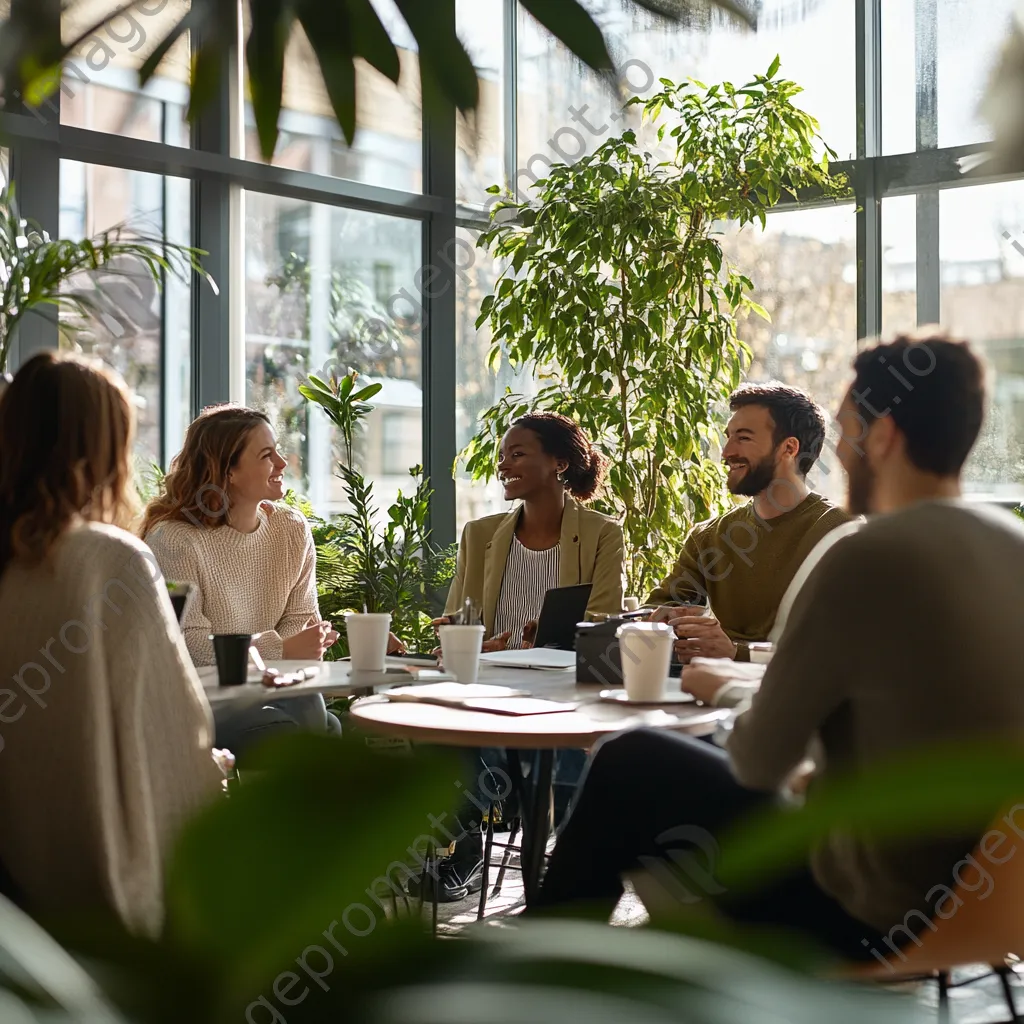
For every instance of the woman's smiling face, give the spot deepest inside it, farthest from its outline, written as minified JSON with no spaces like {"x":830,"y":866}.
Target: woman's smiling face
{"x":523,"y":465}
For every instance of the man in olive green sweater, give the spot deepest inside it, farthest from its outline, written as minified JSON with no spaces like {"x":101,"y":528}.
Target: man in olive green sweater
{"x":743,"y":561}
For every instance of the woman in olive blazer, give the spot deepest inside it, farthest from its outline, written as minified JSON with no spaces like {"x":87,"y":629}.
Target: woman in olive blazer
{"x":506,"y":562}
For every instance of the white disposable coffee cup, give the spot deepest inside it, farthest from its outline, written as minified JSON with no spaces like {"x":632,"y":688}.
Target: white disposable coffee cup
{"x":761,"y":654}
{"x":368,"y":639}
{"x":646,"y":652}
{"x":460,"y":651}
{"x":631,"y":604}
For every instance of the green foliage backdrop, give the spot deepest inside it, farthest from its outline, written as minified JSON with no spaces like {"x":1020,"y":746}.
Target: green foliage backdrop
{"x":616,"y":294}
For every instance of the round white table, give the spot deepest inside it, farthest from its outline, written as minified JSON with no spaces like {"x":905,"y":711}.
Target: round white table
{"x":579,"y":728}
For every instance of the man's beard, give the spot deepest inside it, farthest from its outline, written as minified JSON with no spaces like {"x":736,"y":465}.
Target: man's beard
{"x":757,"y":478}
{"x":860,"y":486}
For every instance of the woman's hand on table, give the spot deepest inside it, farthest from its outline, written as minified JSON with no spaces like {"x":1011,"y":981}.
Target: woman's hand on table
{"x":310,"y":643}
{"x":529,"y":633}
{"x":497,"y":643}
{"x":395,"y":646}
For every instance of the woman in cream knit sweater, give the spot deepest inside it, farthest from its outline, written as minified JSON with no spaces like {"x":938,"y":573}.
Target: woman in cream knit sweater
{"x":252,"y":561}
{"x":104,"y":727}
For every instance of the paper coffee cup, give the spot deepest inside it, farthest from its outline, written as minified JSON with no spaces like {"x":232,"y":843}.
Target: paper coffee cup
{"x":646,"y":652}
{"x":368,"y":639}
{"x":460,"y":651}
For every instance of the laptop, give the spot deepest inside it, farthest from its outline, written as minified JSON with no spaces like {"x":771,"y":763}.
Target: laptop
{"x":563,"y":607}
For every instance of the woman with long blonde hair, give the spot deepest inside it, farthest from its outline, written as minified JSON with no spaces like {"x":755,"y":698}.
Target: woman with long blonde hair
{"x":216,"y":524}
{"x":104,"y":727}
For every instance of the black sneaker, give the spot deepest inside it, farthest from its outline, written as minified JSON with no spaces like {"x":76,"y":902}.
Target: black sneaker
{"x":458,"y":876}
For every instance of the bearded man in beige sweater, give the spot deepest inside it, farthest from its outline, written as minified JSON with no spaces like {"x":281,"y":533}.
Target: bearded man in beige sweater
{"x":873,"y":664}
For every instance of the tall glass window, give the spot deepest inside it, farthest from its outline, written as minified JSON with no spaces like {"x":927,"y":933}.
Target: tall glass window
{"x":804,"y":267}
{"x":141,"y":331}
{"x":982,"y":257}
{"x":314,"y":304}
{"x":388,"y":148}
{"x":100,"y":85}
{"x":480,"y":136}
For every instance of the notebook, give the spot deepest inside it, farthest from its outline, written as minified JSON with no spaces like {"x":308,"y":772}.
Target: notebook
{"x":534,"y":657}
{"x":498,"y":700}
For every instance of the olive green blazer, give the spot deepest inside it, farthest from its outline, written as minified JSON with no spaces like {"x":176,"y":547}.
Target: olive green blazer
{"x":591,"y":552}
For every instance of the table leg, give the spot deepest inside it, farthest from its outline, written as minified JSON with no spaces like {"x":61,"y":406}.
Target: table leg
{"x":537,"y":824}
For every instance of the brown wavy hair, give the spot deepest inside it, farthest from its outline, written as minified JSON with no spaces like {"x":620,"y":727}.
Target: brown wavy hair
{"x":195,"y":488}
{"x":66,"y":434}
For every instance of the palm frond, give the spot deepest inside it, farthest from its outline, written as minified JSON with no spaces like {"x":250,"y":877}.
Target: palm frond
{"x":35,"y":270}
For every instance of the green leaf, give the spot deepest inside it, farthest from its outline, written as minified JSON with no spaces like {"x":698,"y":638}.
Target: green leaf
{"x":368,"y":392}
{"x":774,"y":68}
{"x":939,"y":790}
{"x":441,"y":54}
{"x":251,"y":929}
{"x":568,"y":21}
{"x":264,"y":53}
{"x":334,"y":54}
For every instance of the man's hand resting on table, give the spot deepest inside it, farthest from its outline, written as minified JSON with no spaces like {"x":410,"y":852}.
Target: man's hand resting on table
{"x":705,"y":678}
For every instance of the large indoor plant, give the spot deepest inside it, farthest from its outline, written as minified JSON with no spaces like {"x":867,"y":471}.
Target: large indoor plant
{"x":35,"y":270}
{"x":366,"y":562}
{"x":617,"y":294}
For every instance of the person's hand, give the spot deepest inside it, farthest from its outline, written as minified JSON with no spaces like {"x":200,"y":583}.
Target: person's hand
{"x":798,"y":782}
{"x":443,"y":621}
{"x":497,"y":643}
{"x":529,"y":633}
{"x":223,"y":759}
{"x":705,"y":680}
{"x":663,"y":613}
{"x":310,"y":644}
{"x":701,"y":637}
{"x":395,"y":646}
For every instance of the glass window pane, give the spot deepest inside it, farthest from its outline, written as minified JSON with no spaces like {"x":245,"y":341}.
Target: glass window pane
{"x":476,"y":386}
{"x":565,"y":111}
{"x":314,"y":304}
{"x":982,"y":255}
{"x":480,"y":136}
{"x":899,"y":265}
{"x":142,"y":332}
{"x":804,"y":268}
{"x":959,"y":46}
{"x":100,"y":87}
{"x":388,"y":149}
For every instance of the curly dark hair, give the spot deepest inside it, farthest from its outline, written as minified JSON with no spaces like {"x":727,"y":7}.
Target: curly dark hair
{"x":564,"y":439}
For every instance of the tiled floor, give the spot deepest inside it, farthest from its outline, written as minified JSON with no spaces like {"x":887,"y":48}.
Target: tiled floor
{"x":978,"y":1003}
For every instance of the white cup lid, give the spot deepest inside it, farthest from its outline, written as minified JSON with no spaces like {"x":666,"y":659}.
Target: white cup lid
{"x":645,"y":629}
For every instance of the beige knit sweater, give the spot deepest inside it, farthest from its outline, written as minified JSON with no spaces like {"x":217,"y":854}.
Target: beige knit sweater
{"x":104,"y":729}
{"x":262,"y":582}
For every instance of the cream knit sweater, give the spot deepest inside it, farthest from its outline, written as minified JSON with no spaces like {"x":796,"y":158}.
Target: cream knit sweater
{"x":262,"y":582}
{"x":104,"y":729}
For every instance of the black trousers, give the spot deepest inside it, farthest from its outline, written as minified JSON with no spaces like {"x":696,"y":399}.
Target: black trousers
{"x":656,"y":800}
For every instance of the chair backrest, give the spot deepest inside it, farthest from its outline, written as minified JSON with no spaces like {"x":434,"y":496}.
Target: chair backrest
{"x":980,"y":919}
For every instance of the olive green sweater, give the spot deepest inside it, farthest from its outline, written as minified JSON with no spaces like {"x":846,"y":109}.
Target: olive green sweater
{"x":744,"y":563}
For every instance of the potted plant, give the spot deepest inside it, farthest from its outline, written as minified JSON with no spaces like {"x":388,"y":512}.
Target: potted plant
{"x":35,"y":269}
{"x":617,"y":295}
{"x":366,"y":561}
